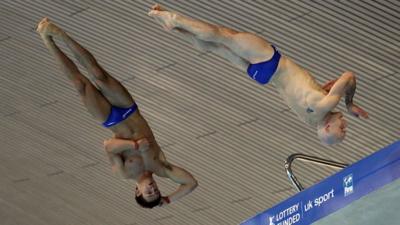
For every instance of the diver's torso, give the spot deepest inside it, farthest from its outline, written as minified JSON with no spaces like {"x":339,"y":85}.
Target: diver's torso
{"x":299,"y":89}
{"x":135,"y":163}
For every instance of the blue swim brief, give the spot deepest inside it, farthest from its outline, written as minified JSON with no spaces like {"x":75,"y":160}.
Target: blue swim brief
{"x":118,"y":115}
{"x":262,"y":72}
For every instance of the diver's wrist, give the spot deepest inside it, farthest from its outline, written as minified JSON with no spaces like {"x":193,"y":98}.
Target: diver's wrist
{"x":135,"y":145}
{"x":166,"y":199}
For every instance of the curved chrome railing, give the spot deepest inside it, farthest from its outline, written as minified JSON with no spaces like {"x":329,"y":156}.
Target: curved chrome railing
{"x":313,"y":159}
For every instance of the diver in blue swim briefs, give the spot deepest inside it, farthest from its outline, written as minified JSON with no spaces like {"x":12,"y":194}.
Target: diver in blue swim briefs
{"x":313,"y":103}
{"x":133,"y":152}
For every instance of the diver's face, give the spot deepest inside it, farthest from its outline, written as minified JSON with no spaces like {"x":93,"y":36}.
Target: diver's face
{"x":148,"y":189}
{"x":336,"y":126}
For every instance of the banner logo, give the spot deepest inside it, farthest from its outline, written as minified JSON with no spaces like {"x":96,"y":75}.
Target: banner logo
{"x":348,"y":185}
{"x":271,"y":220}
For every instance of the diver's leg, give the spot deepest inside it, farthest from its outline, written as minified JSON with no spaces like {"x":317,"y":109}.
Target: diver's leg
{"x":213,"y":47}
{"x":112,"y":89}
{"x":93,"y":100}
{"x":246,"y":45}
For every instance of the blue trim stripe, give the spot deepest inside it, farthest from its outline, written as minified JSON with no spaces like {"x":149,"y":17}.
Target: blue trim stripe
{"x":335,"y":192}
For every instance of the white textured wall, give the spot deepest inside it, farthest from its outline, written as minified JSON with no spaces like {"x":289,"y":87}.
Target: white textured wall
{"x":231,"y":133}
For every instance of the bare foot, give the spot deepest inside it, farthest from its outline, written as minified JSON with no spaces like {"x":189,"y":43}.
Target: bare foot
{"x":41,"y":25}
{"x":47,"y":28}
{"x":165,"y":18}
{"x":157,"y":7}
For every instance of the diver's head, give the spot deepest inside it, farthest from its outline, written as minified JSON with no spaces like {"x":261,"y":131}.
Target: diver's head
{"x":147,"y":193}
{"x":332,"y":129}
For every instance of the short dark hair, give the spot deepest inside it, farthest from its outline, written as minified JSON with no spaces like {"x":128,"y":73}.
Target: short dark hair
{"x":145,"y":204}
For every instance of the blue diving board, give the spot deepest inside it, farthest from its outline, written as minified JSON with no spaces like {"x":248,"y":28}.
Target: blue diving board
{"x":336,"y":191}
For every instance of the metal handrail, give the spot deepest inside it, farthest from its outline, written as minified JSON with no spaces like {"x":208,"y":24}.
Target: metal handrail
{"x":313,"y":159}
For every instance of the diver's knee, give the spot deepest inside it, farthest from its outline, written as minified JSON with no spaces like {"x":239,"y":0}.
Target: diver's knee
{"x":99,"y":74}
{"x":80,"y":86}
{"x":204,"y":46}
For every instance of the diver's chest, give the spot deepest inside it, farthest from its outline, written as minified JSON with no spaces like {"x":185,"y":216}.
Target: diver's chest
{"x":305,"y":110}
{"x":140,"y":161}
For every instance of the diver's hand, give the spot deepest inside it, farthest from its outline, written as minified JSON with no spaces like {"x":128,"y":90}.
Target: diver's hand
{"x":117,"y":145}
{"x":141,"y":145}
{"x":164,"y":201}
{"x":328,"y":85}
{"x":356,"y":111}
